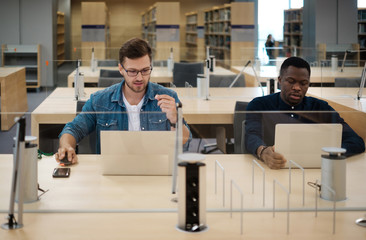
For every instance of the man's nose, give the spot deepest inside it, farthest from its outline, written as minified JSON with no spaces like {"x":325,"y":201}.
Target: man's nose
{"x":296,"y":86}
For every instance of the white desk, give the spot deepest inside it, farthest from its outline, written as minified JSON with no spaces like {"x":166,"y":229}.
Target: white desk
{"x":318,"y":74}
{"x":60,"y":106}
{"x":158,"y":74}
{"x":111,"y":207}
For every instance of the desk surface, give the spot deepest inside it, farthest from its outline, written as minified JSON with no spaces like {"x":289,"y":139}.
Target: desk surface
{"x":60,"y":107}
{"x":158,"y":75}
{"x":124,"y":205}
{"x":318,"y":74}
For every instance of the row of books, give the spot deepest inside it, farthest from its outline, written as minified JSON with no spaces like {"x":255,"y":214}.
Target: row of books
{"x":222,"y":27}
{"x":191,"y":19}
{"x":293,"y":15}
{"x":222,"y":14}
{"x":362,"y":15}
{"x":218,"y":41}
{"x":191,"y":28}
{"x":191,"y":38}
{"x":362,"y":28}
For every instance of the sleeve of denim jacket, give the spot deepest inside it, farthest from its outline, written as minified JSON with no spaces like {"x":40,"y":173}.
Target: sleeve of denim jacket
{"x":83,"y":124}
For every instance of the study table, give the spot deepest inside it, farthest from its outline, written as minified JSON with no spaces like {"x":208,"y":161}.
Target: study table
{"x":89,"y":205}
{"x":60,"y":107}
{"x":318,"y":74}
{"x":158,"y":74}
{"x":13,"y":94}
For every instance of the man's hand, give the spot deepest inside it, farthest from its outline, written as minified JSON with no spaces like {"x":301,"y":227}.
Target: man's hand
{"x":167,"y":105}
{"x":71,"y":155}
{"x":272,"y":159}
{"x":67,"y":144}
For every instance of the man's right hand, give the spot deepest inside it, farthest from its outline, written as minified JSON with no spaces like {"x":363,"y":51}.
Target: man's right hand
{"x":67,"y":144}
{"x":71,"y":154}
{"x":273,"y":159}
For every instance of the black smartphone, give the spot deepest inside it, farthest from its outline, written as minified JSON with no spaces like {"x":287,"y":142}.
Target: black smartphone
{"x":61,"y":172}
{"x":65,"y":161}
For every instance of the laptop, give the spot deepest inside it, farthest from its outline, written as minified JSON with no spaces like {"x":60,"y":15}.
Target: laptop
{"x":303,"y":143}
{"x":137,"y":152}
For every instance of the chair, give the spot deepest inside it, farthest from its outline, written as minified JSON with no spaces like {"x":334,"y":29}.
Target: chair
{"x":223,"y":143}
{"x":109,"y":77}
{"x":107,"y":81}
{"x":107,"y":63}
{"x":239,"y":127}
{"x":347,"y":82}
{"x":88,"y":144}
{"x":109,"y":73}
{"x":186,"y":72}
{"x":226,"y":80}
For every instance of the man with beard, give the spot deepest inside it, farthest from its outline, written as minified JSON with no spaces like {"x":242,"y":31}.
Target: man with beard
{"x":135,"y":95}
{"x":294,"y":107}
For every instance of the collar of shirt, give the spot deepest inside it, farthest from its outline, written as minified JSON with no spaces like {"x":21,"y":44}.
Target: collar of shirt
{"x":286,"y":107}
{"x":117,"y":95}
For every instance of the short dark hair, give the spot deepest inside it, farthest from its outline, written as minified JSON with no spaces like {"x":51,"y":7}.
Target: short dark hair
{"x":134,"y":48}
{"x":296,"y":62}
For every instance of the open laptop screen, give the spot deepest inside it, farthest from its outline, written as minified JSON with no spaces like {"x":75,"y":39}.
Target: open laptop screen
{"x":137,"y":152}
{"x":303,"y":143}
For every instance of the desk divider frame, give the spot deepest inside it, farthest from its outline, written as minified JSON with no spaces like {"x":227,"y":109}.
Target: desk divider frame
{"x":254,"y":162}
{"x":303,"y":179}
{"x":288,"y":202}
{"x":217,"y":163}
{"x":241,"y":203}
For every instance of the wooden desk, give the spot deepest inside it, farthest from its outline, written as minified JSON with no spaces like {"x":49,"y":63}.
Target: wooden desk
{"x":158,"y":74}
{"x":60,"y":106}
{"x":318,"y":74}
{"x":13,"y":95}
{"x":140,"y":207}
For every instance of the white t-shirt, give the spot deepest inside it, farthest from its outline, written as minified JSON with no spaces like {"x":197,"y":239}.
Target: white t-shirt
{"x":133,"y":112}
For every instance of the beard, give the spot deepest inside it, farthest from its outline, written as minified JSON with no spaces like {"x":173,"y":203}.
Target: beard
{"x":137,"y":89}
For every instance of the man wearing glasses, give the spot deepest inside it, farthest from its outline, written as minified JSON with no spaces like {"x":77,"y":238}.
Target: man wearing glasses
{"x":135,"y":95}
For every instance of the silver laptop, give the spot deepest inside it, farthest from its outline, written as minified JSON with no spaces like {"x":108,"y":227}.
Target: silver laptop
{"x":137,"y":152}
{"x":303,"y":143}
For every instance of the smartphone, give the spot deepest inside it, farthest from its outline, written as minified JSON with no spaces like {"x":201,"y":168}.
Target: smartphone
{"x":61,"y":172}
{"x":65,"y":161}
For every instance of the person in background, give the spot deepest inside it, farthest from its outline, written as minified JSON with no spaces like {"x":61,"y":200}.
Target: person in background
{"x":135,"y":95}
{"x":269,"y":45}
{"x":259,"y":126}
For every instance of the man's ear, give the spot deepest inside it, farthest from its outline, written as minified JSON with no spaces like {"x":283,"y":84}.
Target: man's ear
{"x":120,"y":69}
{"x":279,"y":81}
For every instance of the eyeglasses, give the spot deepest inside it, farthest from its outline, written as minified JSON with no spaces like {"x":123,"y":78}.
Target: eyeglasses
{"x":134,"y":73}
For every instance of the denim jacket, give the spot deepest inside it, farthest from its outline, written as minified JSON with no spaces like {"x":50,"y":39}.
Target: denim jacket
{"x":105,"y":110}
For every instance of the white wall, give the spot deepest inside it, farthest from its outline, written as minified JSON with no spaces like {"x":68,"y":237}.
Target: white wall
{"x":31,"y":22}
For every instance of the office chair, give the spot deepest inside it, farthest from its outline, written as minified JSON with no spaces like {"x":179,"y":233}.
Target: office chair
{"x":109,"y":73}
{"x":226,"y":80}
{"x":239,"y":127}
{"x":347,"y":82}
{"x":223,"y":142}
{"x":109,"y":77}
{"x":107,"y":63}
{"x":186,"y":72}
{"x":88,"y":144}
{"x":108,"y":81}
